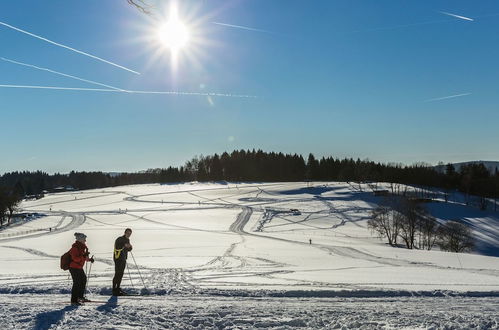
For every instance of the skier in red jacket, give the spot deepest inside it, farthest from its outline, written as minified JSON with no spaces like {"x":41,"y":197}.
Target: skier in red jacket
{"x":79,"y":255}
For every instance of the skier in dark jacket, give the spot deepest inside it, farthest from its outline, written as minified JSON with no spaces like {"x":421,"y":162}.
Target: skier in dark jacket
{"x":121,"y":247}
{"x":79,"y":255}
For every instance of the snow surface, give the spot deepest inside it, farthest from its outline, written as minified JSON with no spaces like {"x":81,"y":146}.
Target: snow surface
{"x":233,"y":255}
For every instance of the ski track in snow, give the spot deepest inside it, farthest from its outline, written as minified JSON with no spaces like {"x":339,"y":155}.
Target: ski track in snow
{"x":76,"y":221}
{"x":76,"y":198}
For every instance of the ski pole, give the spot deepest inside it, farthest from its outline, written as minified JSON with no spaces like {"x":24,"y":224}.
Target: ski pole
{"x":88,"y":277}
{"x":130,"y":276}
{"x":138,"y":270}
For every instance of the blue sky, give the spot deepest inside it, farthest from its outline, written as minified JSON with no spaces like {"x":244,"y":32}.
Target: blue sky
{"x":360,"y":79}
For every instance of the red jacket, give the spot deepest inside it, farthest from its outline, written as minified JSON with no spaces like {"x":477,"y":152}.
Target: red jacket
{"x":79,"y":254}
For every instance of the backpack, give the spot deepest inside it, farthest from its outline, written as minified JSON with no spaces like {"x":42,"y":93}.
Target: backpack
{"x":65,"y":261}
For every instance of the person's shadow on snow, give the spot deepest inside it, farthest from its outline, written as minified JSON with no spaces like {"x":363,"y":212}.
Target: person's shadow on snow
{"x":111,"y":304}
{"x":47,"y":319}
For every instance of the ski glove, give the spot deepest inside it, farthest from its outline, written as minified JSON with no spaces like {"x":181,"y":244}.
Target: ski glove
{"x":91,"y":260}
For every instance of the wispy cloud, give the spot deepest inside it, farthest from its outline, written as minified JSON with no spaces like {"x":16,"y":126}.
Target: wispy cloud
{"x":457,"y":16}
{"x":67,"y":47}
{"x":127,"y":91}
{"x":59,"y":73}
{"x":242,"y":27}
{"x":447,"y":97}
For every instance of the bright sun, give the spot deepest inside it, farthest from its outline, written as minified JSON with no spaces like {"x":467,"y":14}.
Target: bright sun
{"x":173,"y":34}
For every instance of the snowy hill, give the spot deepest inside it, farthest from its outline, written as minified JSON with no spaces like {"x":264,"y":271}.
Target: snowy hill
{"x":244,"y":255}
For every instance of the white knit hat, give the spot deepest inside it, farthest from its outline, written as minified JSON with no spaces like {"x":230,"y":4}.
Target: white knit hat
{"x":80,"y":236}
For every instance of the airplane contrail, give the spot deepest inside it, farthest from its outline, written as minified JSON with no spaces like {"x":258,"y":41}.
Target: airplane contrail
{"x":447,"y":97}
{"x":241,"y":27}
{"x":457,"y":16}
{"x":60,"y":73}
{"x":67,"y":47}
{"x":394,"y":27}
{"x":126,"y":91}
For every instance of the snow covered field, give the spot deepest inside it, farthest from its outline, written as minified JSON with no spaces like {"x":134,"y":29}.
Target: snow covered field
{"x":235,"y":255}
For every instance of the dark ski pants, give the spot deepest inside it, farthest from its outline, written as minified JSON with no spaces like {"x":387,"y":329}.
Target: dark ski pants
{"x":79,"y":282}
{"x":119,"y":270}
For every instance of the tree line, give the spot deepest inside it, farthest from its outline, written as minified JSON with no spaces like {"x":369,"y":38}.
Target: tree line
{"x":257,"y":165}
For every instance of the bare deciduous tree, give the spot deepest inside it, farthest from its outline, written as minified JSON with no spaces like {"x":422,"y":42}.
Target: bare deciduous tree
{"x":411,"y":213}
{"x":380,"y":223}
{"x":385,"y":221}
{"x":456,"y":237}
{"x":405,"y":218}
{"x":141,"y":5}
{"x":8,"y":204}
{"x":428,"y":231}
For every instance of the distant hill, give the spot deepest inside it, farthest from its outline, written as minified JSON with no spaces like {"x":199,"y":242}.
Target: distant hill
{"x":490,"y":165}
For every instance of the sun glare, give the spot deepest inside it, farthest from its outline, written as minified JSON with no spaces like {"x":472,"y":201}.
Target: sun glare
{"x":173,"y":34}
